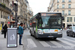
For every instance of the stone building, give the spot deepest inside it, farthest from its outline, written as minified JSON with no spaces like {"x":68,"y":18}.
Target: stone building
{"x":22,"y":11}
{"x":67,"y":8}
{"x":4,"y":12}
{"x":29,"y":13}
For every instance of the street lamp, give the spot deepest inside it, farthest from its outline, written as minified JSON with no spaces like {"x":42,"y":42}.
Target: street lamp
{"x":16,"y":9}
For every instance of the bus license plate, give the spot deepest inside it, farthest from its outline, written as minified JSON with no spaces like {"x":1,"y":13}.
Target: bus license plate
{"x":50,"y":36}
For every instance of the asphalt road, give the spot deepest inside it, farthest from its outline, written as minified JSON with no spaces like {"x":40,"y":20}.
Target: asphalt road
{"x":64,"y":43}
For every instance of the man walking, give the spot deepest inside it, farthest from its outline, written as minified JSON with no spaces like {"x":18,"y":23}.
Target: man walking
{"x":20,"y":31}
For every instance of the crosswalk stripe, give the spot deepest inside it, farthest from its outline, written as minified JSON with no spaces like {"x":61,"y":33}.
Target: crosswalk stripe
{"x":56,"y":43}
{"x":31,"y":43}
{"x":66,"y":42}
{"x":44,"y":44}
{"x":72,"y":38}
{"x":69,"y":39}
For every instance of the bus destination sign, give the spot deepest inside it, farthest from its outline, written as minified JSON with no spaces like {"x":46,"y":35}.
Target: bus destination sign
{"x":44,"y":14}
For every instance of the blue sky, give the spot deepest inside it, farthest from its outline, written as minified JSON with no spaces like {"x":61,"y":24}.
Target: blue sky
{"x":39,"y":5}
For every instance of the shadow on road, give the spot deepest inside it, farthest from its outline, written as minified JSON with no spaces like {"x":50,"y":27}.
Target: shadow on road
{"x":47,"y":39}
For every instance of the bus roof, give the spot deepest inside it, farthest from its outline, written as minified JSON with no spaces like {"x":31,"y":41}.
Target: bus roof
{"x":33,"y":17}
{"x":49,"y":12}
{"x":43,"y":12}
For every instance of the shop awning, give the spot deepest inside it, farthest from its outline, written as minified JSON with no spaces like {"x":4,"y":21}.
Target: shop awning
{"x":12,"y":21}
{"x":1,"y":19}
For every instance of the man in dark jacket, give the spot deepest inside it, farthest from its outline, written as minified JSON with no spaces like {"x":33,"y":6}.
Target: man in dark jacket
{"x":20,"y":32}
{"x":5,"y":30}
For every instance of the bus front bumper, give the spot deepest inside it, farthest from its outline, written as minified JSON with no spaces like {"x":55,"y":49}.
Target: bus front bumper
{"x":49,"y":35}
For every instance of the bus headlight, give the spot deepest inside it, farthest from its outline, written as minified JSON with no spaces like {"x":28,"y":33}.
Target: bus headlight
{"x":40,"y":32}
{"x":60,"y":32}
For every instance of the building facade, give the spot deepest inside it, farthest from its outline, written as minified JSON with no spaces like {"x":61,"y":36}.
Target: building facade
{"x":67,"y":8}
{"x":21,"y":13}
{"x":5,"y":12}
{"x":29,"y":13}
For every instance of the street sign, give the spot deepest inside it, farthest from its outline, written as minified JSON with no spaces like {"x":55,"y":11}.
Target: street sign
{"x":8,"y":17}
{"x":12,"y":37}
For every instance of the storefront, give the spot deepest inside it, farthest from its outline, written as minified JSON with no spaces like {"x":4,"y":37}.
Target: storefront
{"x":2,"y":21}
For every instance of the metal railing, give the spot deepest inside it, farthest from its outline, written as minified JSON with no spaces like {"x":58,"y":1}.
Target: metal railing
{"x":5,"y":7}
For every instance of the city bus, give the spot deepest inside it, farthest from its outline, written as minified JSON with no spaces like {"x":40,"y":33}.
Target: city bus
{"x":46,"y":25}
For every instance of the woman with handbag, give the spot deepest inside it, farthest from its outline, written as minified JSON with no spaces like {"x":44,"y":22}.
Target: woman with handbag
{"x":5,"y":30}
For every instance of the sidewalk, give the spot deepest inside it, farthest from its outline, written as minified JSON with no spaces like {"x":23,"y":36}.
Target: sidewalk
{"x":3,"y":43}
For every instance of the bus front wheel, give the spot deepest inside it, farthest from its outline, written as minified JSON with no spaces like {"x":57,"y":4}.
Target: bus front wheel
{"x":31,"y":33}
{"x":54,"y":38}
{"x":35,"y":36}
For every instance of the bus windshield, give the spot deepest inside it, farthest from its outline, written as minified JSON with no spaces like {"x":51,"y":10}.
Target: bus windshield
{"x":73,"y":27}
{"x":49,"y":22}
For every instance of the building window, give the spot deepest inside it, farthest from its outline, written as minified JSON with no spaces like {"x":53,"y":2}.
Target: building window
{"x":57,"y":1}
{"x":57,"y":10}
{"x":57,"y":6}
{"x":63,"y":6}
{"x":63,"y":12}
{"x":69,"y":19}
{"x":69,"y":12}
{"x":69,"y":6}
{"x":69,"y":0}
{"x":63,"y":0}
{"x":74,"y":19}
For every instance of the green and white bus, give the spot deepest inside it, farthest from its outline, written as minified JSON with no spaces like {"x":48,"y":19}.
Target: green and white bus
{"x":46,"y":25}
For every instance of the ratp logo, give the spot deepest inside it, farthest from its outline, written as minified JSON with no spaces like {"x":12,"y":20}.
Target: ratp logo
{"x":12,"y":37}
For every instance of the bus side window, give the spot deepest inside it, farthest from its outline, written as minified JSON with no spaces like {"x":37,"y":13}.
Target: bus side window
{"x":34,"y":25}
{"x":62,"y":18}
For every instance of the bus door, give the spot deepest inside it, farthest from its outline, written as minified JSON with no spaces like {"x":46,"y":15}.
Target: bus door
{"x":34,"y":27}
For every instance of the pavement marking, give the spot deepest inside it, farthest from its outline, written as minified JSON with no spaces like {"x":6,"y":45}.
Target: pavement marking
{"x":44,"y":44}
{"x":68,"y":47}
{"x":72,"y":38}
{"x":31,"y":43}
{"x":66,"y":42}
{"x":69,"y":40}
{"x":56,"y":43}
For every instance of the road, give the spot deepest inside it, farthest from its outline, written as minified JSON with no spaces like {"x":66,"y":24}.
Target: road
{"x":64,"y":43}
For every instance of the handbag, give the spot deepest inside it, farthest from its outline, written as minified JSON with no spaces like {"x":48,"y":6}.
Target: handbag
{"x":2,"y":31}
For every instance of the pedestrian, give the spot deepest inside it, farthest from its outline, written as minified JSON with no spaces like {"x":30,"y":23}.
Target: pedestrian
{"x":5,"y":30}
{"x":20,"y":32}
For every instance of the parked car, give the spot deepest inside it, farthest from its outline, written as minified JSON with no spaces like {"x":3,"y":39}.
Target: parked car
{"x":71,"y":31}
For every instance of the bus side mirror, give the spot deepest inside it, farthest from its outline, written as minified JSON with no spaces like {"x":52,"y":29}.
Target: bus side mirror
{"x":38,"y":17}
{"x":62,"y":18}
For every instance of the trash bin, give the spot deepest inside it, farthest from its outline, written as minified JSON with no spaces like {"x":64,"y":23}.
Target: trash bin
{"x":12,"y":37}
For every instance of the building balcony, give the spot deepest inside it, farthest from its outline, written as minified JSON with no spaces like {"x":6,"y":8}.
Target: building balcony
{"x":5,"y":9}
{"x":25,"y":18}
{"x":57,"y":2}
{"x":63,"y":1}
{"x":69,"y":2}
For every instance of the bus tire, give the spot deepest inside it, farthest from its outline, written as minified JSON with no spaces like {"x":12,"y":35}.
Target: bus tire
{"x":35,"y":35}
{"x":31,"y":33}
{"x":54,"y":38}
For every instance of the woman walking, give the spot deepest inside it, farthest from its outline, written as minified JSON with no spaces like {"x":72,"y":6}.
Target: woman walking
{"x":5,"y":30}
